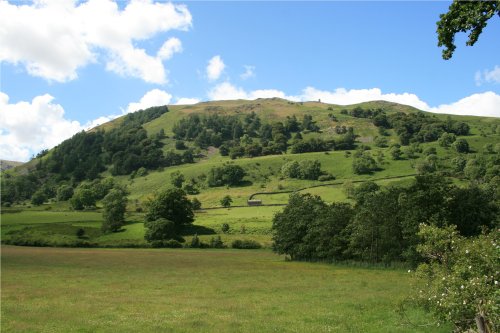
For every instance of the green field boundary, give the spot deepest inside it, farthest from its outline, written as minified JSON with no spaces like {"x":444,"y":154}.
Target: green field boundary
{"x":322,"y":185}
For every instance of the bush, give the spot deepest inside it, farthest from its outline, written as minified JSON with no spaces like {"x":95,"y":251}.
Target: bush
{"x":217,"y":243}
{"x":245,"y":244}
{"x":38,"y":198}
{"x":225,"y":228}
{"x":461,"y":146}
{"x":226,"y":201}
{"x":327,"y":177}
{"x":64,"y":193}
{"x":291,"y":169}
{"x":172,"y":244}
{"x":228,"y":174}
{"x":364,"y":164}
{"x":80,"y":232}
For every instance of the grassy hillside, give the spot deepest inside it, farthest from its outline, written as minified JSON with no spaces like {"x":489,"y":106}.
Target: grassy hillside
{"x":6,"y":165}
{"x":54,"y":223}
{"x":95,"y":290}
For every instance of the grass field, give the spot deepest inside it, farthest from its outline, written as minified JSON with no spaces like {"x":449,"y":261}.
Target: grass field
{"x":131,"y":290}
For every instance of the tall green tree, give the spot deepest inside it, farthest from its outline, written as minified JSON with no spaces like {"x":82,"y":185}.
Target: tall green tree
{"x":173,"y":205}
{"x":115,"y":204}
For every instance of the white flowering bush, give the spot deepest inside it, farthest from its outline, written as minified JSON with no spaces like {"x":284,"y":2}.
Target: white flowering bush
{"x":458,"y":283}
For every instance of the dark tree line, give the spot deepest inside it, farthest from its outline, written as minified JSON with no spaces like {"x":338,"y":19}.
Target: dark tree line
{"x":123,"y":149}
{"x":383,"y":224}
{"x":411,"y":127}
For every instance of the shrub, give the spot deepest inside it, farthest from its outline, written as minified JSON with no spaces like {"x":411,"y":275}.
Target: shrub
{"x":461,"y":146}
{"x":447,"y":139}
{"x":195,"y":242}
{"x":172,"y":243}
{"x":245,"y":244}
{"x":80,"y":232}
{"x":228,"y":174}
{"x":226,"y":201}
{"x":327,"y":177}
{"x":291,"y":169}
{"x":364,"y":164}
{"x":217,"y":243}
{"x":64,"y":192}
{"x":310,"y":169}
{"x":38,"y":198}
{"x":180,"y":145}
{"x":225,"y":228}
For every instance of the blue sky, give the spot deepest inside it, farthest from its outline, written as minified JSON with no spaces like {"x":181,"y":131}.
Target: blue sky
{"x":65,"y":67}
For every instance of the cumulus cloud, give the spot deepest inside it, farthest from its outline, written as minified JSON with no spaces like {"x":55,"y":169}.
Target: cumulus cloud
{"x":485,"y":104}
{"x":488,"y":76}
{"x":482,"y":104}
{"x":153,"y":97}
{"x":343,"y":96}
{"x":53,"y":39}
{"x":249,"y":72}
{"x":215,"y":68}
{"x":187,"y":101}
{"x":227,"y":91}
{"x":28,"y":127}
{"x":171,"y":46}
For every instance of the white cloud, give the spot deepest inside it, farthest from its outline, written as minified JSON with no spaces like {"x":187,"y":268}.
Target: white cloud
{"x":483,"y":104}
{"x":28,"y":127}
{"x":53,"y":39}
{"x":171,"y":46}
{"x":249,"y":72}
{"x":343,"y":96}
{"x":227,"y":91}
{"x":153,"y":97}
{"x":187,"y":101}
{"x":488,"y":76}
{"x":215,"y":68}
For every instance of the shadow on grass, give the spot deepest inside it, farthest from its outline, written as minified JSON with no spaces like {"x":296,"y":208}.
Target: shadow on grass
{"x":197,"y":229}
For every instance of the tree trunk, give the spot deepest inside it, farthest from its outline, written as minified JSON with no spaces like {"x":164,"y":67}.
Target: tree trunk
{"x":481,"y":324}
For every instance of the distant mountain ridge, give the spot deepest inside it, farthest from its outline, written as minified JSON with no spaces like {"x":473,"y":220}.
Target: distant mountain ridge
{"x":6,"y":165}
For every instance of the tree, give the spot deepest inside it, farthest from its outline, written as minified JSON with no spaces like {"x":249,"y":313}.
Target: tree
{"x":463,"y":16}
{"x":363,"y":164}
{"x":83,"y":198}
{"x":461,"y":146}
{"x":115,"y":204}
{"x":173,"y":205}
{"x":226,"y":201}
{"x":310,"y":169}
{"x":176,"y":179}
{"x":38,"y":198}
{"x":291,"y":169}
{"x":228,"y":174}
{"x":64,"y":192}
{"x":396,"y":152}
{"x":159,"y":230}
{"x":447,"y":139}
{"x":291,"y":225}
{"x":458,"y":281}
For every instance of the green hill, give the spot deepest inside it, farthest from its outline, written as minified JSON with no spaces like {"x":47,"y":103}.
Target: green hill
{"x":142,"y":151}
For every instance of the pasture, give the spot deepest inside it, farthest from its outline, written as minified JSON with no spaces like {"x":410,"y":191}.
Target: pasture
{"x":187,"y":290}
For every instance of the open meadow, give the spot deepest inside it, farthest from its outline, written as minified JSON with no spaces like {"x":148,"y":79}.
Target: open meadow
{"x":188,"y":290}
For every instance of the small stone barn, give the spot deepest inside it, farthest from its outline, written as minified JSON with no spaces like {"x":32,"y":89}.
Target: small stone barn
{"x":254,"y":202}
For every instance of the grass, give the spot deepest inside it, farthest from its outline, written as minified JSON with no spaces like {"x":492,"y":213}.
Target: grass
{"x":94,"y":290}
